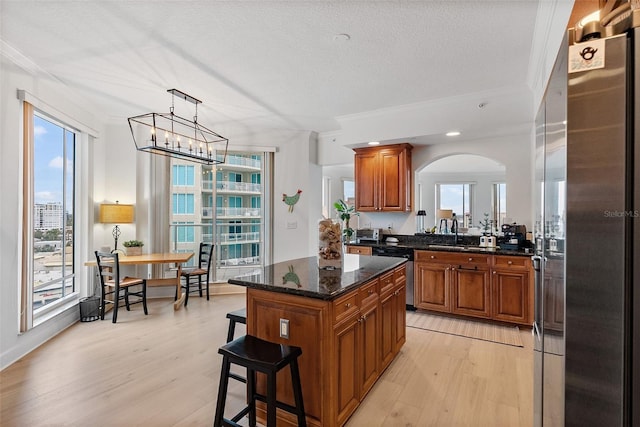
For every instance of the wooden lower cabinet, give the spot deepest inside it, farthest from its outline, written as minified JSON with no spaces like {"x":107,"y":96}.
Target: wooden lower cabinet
{"x":432,"y":289}
{"x":512,"y":290}
{"x":393,"y":314}
{"x":493,"y":287}
{"x":471,"y":291}
{"x":341,"y":341}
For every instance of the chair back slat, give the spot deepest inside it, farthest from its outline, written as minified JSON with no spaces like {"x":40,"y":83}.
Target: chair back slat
{"x":108,"y":267}
{"x":205,"y":255}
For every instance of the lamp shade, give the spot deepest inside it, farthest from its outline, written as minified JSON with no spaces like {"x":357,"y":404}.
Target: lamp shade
{"x":115,"y":213}
{"x":445,"y":213}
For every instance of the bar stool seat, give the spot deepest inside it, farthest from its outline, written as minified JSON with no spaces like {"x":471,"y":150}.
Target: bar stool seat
{"x":258,"y":355}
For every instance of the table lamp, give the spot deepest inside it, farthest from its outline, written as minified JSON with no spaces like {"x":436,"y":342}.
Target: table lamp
{"x":115,"y":213}
{"x":444,"y":215}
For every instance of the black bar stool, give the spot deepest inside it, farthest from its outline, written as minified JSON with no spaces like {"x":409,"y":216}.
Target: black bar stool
{"x":258,"y":355}
{"x":238,"y":316}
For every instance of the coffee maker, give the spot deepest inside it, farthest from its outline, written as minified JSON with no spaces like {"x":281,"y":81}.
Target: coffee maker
{"x":514,"y":236}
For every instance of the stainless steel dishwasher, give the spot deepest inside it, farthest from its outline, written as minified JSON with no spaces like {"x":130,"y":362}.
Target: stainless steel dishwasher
{"x":400,"y":252}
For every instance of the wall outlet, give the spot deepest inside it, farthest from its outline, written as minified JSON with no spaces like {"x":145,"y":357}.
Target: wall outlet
{"x":284,"y":328}
{"x":389,"y":226}
{"x":292,"y":224}
{"x":366,"y":225}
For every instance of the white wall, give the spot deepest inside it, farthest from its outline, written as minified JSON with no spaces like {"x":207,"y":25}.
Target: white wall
{"x":13,"y":344}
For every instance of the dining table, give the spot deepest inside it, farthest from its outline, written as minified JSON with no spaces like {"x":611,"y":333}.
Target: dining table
{"x":177,"y":258}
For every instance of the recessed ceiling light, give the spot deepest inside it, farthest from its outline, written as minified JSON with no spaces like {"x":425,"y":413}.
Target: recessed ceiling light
{"x":374,"y":143}
{"x":453,"y":133}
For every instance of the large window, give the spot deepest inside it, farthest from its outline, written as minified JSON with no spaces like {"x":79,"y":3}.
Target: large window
{"x":499,"y":203}
{"x":49,"y":196}
{"x":457,"y":197}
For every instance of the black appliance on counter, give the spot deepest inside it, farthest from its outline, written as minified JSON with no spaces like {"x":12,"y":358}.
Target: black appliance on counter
{"x":400,"y":252}
{"x":515,"y":237}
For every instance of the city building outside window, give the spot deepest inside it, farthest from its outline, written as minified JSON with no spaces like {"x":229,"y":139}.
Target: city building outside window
{"x":226,"y":206}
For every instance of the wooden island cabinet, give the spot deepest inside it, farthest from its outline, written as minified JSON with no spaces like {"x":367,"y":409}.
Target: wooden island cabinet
{"x":349,"y":323}
{"x":496,"y":287}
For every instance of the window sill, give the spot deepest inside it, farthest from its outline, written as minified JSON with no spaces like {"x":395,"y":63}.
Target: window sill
{"x":52,"y":310}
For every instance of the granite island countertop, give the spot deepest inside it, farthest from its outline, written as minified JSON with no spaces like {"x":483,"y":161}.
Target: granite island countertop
{"x":303,"y":277}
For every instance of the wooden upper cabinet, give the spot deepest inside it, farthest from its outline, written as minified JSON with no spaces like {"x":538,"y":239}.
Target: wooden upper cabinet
{"x":383,"y":178}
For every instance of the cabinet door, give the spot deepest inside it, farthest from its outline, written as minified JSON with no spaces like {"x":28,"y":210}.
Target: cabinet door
{"x":347,"y":365}
{"x":400,"y":330}
{"x":510,"y":289}
{"x":391,"y":181}
{"x":471,"y":292}
{"x":370,"y":347}
{"x":431,"y":287}
{"x":387,"y":328}
{"x":366,"y":180}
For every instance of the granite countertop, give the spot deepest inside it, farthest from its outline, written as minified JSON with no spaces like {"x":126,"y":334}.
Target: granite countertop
{"x":466,"y":246}
{"x":303,"y":277}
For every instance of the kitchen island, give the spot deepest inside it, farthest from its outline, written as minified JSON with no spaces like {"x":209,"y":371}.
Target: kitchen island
{"x":349,"y":322}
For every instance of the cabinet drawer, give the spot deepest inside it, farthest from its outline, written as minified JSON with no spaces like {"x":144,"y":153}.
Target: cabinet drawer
{"x":345,"y":306}
{"x":434,"y":256}
{"x":472,"y":260}
{"x":386,"y":282}
{"x":517,"y":262}
{"x":368,"y":293}
{"x":359,"y":250}
{"x":400,"y":274}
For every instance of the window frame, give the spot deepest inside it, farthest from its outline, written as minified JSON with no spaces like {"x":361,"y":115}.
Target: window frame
{"x":466,"y":221}
{"x":28,"y":316}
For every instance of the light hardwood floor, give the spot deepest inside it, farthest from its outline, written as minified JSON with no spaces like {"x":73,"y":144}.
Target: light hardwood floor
{"x":163,"y":370}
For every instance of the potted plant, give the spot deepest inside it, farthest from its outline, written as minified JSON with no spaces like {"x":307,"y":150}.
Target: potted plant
{"x":134,"y":247}
{"x":344,"y":213}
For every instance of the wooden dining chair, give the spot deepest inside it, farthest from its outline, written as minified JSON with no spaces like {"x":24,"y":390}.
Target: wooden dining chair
{"x":114,"y":288}
{"x":205,"y":255}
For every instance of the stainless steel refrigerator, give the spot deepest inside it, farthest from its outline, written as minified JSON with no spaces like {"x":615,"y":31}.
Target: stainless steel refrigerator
{"x":587,"y":313}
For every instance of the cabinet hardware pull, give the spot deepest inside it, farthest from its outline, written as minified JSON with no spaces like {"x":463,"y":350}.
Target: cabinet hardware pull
{"x":509,"y":262}
{"x":433,"y":256}
{"x":495,"y":272}
{"x":347,"y":305}
{"x":470,"y":259}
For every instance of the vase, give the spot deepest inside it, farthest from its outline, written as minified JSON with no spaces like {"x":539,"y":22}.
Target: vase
{"x":329,"y":244}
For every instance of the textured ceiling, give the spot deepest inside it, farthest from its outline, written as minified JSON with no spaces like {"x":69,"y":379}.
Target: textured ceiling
{"x":274,"y":64}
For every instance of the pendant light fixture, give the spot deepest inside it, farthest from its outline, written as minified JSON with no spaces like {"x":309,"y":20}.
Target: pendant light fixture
{"x":171,"y":135}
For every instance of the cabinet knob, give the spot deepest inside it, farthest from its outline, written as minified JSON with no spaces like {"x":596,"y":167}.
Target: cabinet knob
{"x":495,"y":272}
{"x":433,"y":256}
{"x":370,"y":291}
{"x":347,"y":305}
{"x":470,"y":259}
{"x":509,"y":262}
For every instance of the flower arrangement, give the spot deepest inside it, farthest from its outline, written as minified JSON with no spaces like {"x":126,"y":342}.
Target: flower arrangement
{"x":344,"y":212}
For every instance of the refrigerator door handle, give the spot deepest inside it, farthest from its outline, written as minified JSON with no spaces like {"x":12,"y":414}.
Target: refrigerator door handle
{"x":537,"y":289}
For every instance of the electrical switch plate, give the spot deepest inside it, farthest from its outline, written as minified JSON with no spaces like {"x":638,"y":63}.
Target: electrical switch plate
{"x":284,"y":328}
{"x":292,"y":224}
